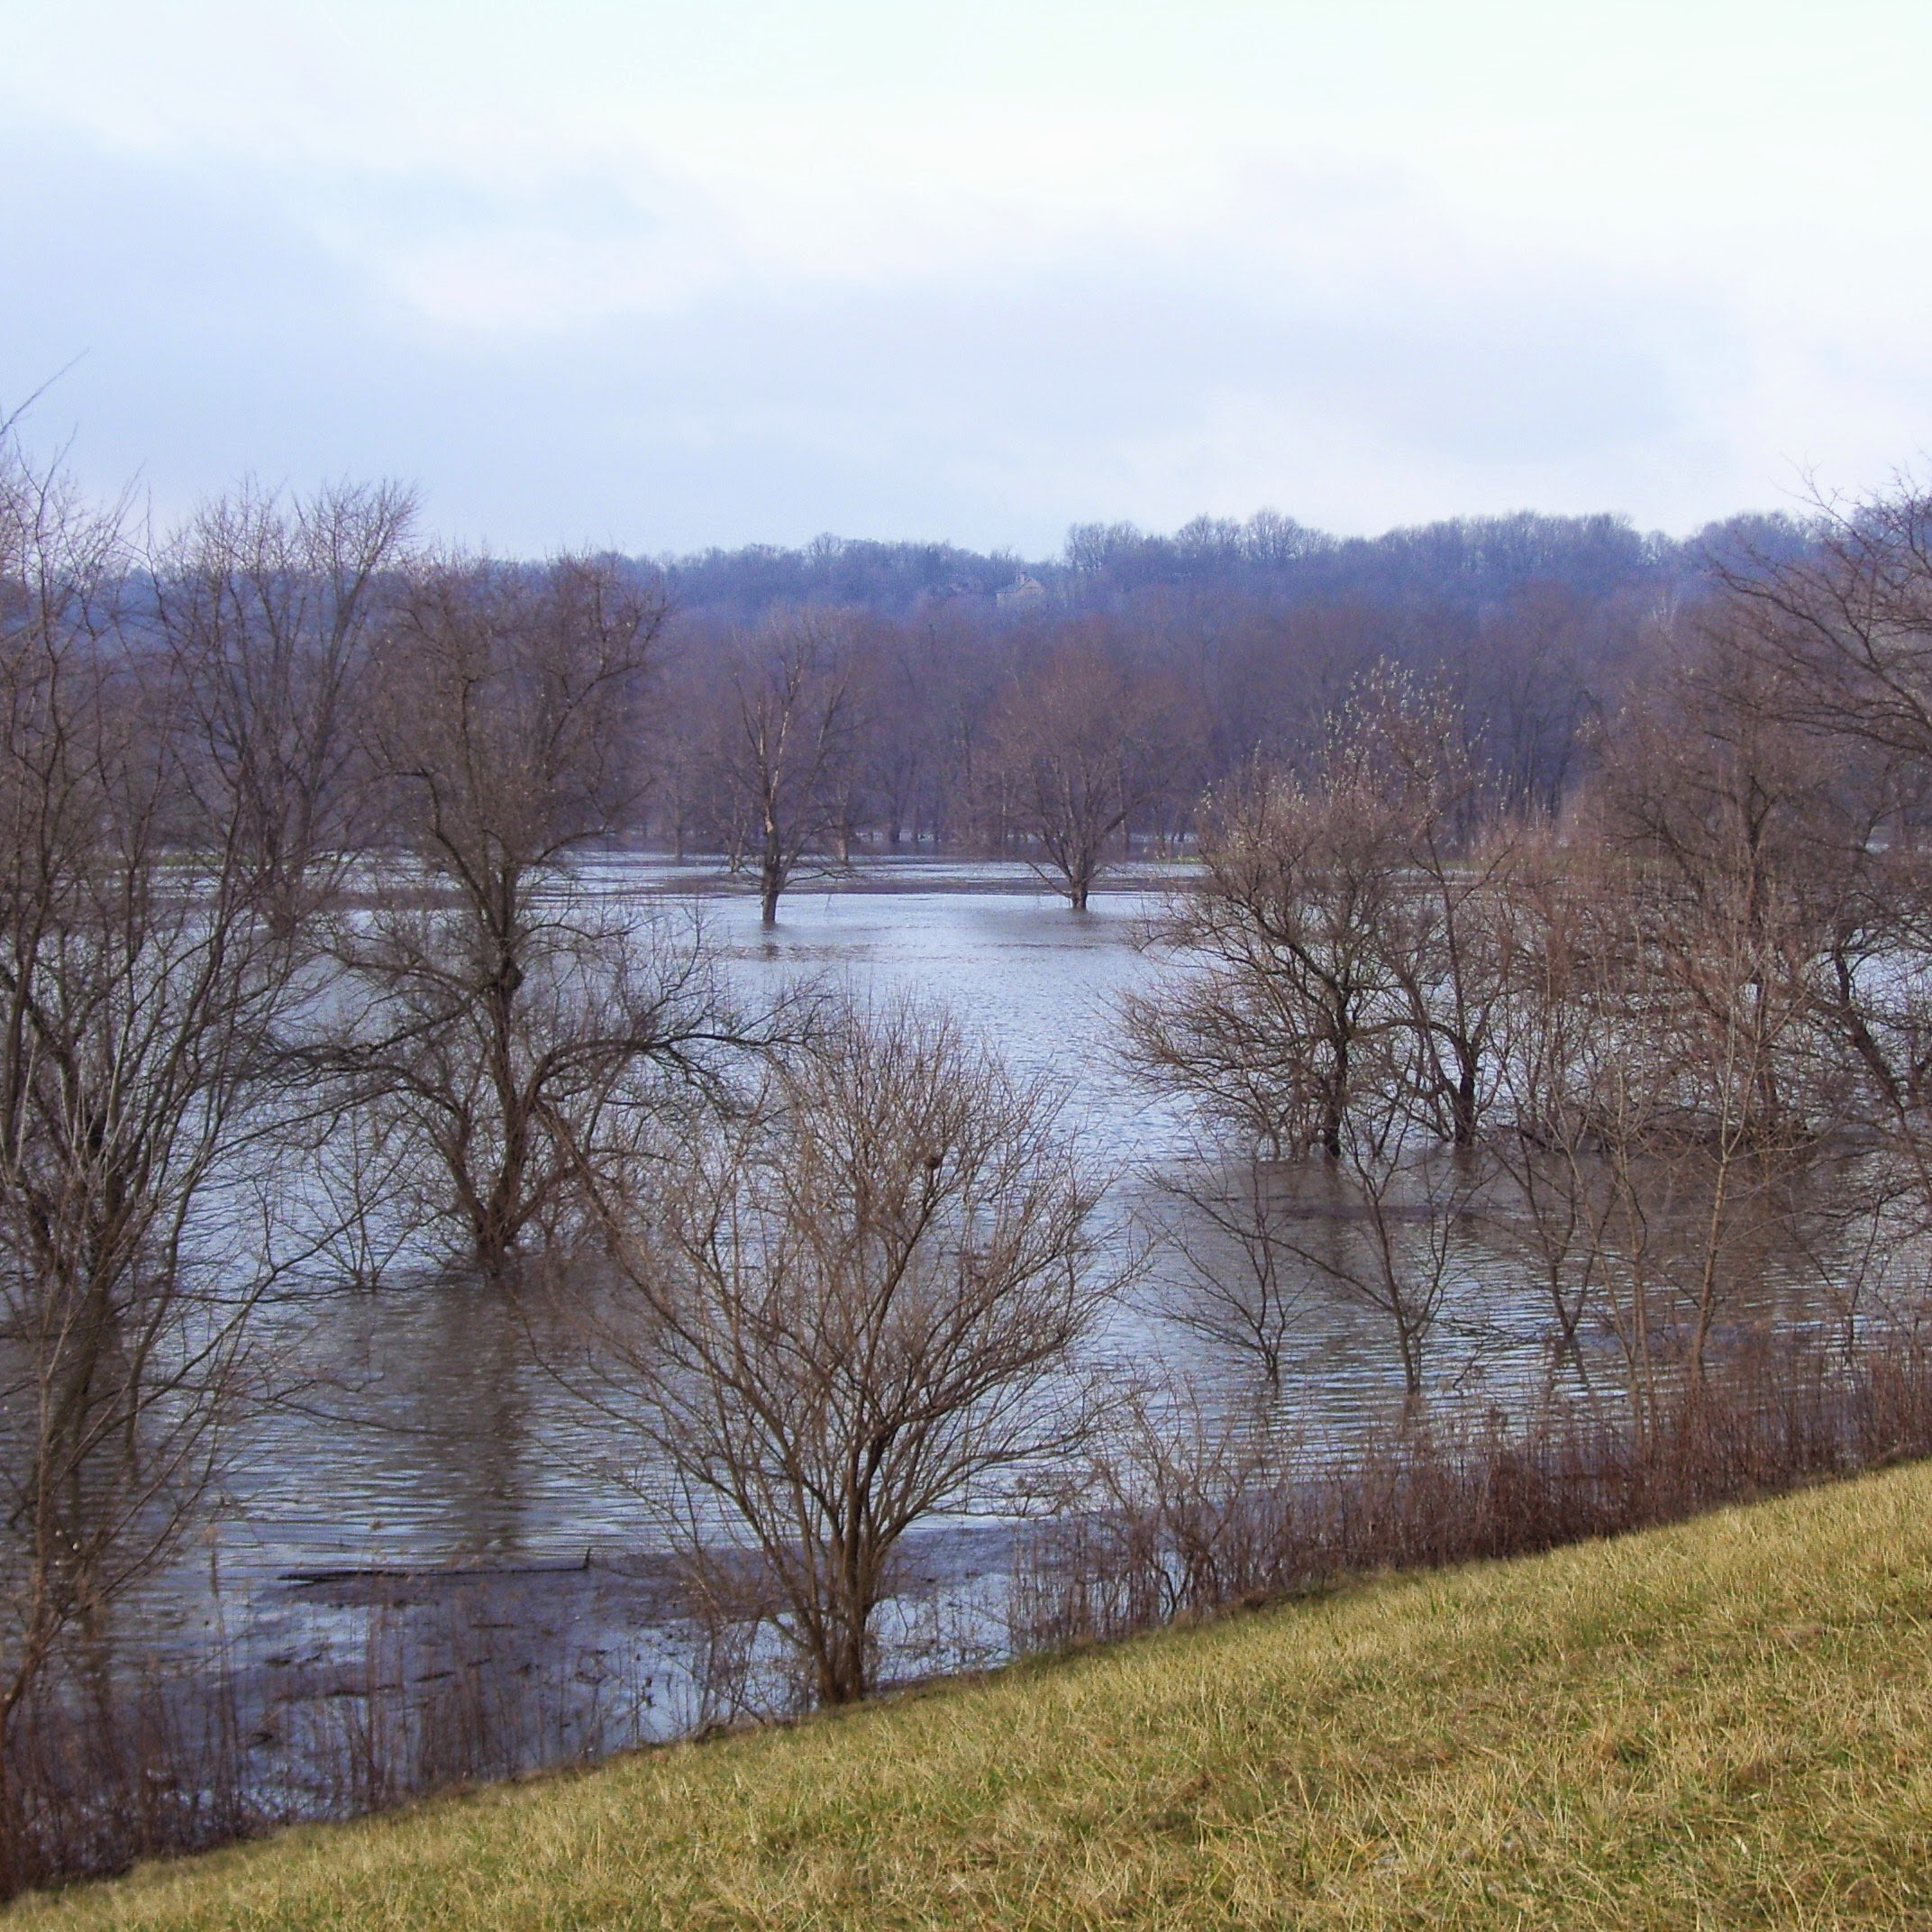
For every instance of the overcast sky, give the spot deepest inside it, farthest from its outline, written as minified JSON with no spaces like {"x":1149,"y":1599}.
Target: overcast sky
{"x":669,"y":273}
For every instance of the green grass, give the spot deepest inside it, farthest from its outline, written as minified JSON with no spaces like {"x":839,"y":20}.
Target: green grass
{"x":1725,"y":1724}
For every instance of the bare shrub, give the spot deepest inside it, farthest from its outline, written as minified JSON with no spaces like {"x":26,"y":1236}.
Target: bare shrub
{"x":1189,"y":1505}
{"x":1197,"y":1508}
{"x":114,"y":1761}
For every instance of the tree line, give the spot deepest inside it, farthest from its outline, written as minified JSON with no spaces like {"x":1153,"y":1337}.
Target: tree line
{"x":1092,"y":706}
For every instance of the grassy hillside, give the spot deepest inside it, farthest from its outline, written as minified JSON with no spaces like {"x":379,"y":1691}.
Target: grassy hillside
{"x":1723,"y":1725}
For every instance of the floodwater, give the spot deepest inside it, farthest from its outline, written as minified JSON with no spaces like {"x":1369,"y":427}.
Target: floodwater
{"x":429,"y":1432}
{"x":429,"y":1484}
{"x":431,"y":1468}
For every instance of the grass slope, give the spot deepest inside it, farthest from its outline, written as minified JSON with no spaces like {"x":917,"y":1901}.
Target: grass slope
{"x":1725,"y":1724}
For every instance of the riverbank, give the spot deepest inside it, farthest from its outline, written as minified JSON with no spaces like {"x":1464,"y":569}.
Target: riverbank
{"x":1722,"y":1723}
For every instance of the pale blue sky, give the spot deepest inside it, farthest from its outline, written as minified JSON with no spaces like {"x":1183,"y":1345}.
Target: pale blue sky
{"x":661,"y":275}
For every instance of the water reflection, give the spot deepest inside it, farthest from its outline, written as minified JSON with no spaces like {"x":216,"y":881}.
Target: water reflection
{"x":432,"y":1434}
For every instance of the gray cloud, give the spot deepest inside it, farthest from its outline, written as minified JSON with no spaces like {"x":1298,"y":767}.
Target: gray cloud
{"x":227,"y":325}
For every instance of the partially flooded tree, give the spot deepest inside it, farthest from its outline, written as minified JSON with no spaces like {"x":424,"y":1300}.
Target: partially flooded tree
{"x":1447,"y":938}
{"x":1647,"y":1182}
{"x":513,"y":1024}
{"x":865,"y":1307}
{"x":1281,"y":982}
{"x":1743,"y":840}
{"x":1831,"y":638}
{"x":1357,"y":918}
{"x":1076,"y":751}
{"x":1844,"y":621}
{"x":786,"y":755}
{"x":1380,"y":1224}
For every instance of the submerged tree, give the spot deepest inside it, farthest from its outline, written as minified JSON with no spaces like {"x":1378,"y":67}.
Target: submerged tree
{"x":785,"y":758}
{"x":1351,"y":922}
{"x":1282,"y":982}
{"x":144,"y":972}
{"x":1075,"y":752}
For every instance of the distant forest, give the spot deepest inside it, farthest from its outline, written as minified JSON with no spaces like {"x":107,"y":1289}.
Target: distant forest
{"x":941,"y":683}
{"x":787,"y":710}
{"x":1461,"y":563}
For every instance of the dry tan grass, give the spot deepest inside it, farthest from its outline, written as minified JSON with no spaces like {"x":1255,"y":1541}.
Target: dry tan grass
{"x":1724,"y":1724}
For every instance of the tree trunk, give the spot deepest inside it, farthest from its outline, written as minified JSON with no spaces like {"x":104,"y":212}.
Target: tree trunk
{"x":1335,"y":1103}
{"x":771,"y":877}
{"x":1466,"y":1100}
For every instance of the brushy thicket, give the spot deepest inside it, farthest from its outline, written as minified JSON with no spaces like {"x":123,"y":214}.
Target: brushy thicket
{"x":1202,"y":1516}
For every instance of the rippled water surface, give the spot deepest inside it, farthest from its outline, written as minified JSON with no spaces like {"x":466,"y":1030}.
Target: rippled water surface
{"x":430,"y":1434}
{"x":430,"y":1468}
{"x":426,"y":1444}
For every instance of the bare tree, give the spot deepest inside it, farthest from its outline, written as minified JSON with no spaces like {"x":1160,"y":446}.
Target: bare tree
{"x":865,"y":1307}
{"x":1844,"y":623}
{"x":1647,"y":1179}
{"x":1535,"y":679}
{"x":1831,"y":639}
{"x":1359,"y":919}
{"x":905,"y":688}
{"x":515,"y":1026}
{"x":1380,"y":1223}
{"x":1448,"y":937}
{"x":1553,"y":1222}
{"x":1077,"y":750}
{"x":141,"y":982}
{"x":1743,"y":839}
{"x":271,"y":611}
{"x":785,"y":758}
{"x":1282,"y":980}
